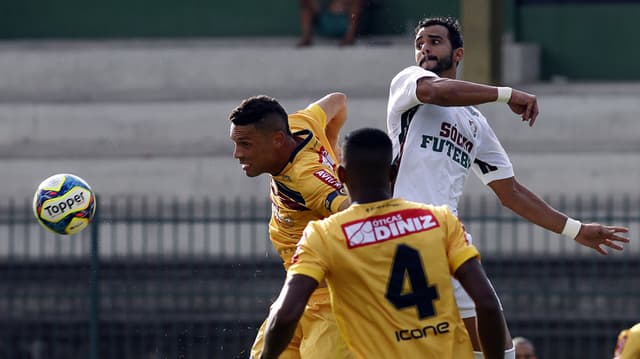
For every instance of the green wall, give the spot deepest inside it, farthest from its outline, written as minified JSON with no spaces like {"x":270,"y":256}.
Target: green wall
{"x":584,"y":41}
{"x":401,"y":16}
{"x":139,"y":18}
{"x":23,"y":19}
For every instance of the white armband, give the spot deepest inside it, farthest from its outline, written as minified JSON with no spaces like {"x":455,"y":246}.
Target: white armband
{"x":504,"y":94}
{"x":571,"y":228}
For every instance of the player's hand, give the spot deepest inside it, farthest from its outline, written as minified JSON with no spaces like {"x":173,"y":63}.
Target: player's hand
{"x":524,"y":104}
{"x":595,"y":235}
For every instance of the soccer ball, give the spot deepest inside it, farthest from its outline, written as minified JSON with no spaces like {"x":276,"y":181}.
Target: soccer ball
{"x":64,"y":204}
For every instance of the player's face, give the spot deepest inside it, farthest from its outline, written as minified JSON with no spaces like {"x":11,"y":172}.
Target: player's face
{"x":433,"y":49}
{"x":525,"y":351}
{"x":253,"y":148}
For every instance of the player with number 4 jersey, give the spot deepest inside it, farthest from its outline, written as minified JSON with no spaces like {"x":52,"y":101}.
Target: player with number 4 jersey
{"x":388,"y":264}
{"x":402,"y":255}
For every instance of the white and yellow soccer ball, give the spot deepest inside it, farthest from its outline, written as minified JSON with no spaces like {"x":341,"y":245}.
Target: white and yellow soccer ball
{"x":64,"y":204}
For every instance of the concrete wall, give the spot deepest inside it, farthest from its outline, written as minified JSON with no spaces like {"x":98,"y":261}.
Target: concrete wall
{"x":149,"y":119}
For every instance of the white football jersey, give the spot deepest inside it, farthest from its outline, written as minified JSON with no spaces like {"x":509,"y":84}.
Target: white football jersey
{"x":437,"y":145}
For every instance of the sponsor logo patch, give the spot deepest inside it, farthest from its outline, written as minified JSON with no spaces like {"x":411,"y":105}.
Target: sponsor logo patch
{"x":328,"y":178}
{"x":393,"y":225}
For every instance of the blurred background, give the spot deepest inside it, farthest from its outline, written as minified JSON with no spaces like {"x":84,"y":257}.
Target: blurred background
{"x":134,"y":97}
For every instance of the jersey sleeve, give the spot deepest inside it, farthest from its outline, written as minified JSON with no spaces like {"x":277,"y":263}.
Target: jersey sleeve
{"x":402,"y":97}
{"x":492,"y":162}
{"x":312,"y":117}
{"x":323,"y":193}
{"x":315,"y":119}
{"x":402,"y":92}
{"x":459,"y":250}
{"x":307,"y":259}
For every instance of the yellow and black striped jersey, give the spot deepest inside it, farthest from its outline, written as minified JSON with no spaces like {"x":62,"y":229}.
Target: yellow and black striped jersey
{"x":307,"y":188}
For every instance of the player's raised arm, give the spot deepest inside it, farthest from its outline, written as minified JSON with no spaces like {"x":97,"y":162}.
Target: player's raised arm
{"x":334,"y":106}
{"x":491,"y":322}
{"x":449,"y":92}
{"x":530,"y":206}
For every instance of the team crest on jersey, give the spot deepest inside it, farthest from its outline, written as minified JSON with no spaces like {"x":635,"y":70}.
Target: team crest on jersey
{"x":325,"y":158}
{"x":390,"y":226}
{"x":474,"y":128}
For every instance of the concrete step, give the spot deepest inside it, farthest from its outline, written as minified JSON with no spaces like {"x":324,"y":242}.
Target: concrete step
{"x":567,"y":124}
{"x":193,"y":69}
{"x":221,"y":177}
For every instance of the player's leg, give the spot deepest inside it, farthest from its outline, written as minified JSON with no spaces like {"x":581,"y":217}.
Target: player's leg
{"x":320,"y":336}
{"x":291,"y":352}
{"x":468,"y":313}
{"x":308,"y":11}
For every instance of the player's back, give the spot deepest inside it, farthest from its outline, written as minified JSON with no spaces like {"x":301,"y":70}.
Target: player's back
{"x":388,"y":266}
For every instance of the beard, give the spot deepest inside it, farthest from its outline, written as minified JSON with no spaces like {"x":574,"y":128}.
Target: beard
{"x":441,"y":65}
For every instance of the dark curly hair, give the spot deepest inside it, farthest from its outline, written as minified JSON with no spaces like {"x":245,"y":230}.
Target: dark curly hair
{"x":264,"y":112}
{"x":451,"y":23}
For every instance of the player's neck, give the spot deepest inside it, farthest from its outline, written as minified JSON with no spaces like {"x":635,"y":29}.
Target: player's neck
{"x":285,"y":155}
{"x":449,"y":74}
{"x":370,"y":195}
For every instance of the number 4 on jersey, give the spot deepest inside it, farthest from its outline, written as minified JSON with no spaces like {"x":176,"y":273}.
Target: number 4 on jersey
{"x":407,"y":262}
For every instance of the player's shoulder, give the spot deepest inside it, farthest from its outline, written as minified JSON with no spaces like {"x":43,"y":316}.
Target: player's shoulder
{"x":412,"y":72}
{"x":312,"y":166}
{"x":326,"y":225}
{"x":311,"y":117}
{"x":440,"y":209}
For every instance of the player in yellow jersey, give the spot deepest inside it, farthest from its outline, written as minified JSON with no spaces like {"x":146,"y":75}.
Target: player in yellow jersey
{"x":388,"y":264}
{"x":628,"y":345}
{"x":298,"y":152}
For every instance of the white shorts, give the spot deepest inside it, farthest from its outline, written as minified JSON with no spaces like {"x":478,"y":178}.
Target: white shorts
{"x":465,"y":303}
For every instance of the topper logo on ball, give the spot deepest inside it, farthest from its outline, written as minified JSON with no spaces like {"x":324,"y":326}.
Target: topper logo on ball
{"x":75,"y":200}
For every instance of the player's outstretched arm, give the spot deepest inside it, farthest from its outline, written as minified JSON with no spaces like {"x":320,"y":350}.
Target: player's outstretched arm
{"x":449,"y":92}
{"x":529,"y":206}
{"x":491,"y":323}
{"x":285,"y":314}
{"x":334,"y":106}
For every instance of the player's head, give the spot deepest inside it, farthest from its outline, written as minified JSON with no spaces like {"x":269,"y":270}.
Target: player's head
{"x":366,"y":162}
{"x":438,"y":45}
{"x":259,"y":130}
{"x":524,"y":348}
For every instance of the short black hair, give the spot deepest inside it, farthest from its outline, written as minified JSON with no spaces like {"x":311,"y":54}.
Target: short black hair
{"x":367,"y":151}
{"x":451,"y":23}
{"x":262,"y":111}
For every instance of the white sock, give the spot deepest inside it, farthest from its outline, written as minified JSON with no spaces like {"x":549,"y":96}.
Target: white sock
{"x":508,"y":354}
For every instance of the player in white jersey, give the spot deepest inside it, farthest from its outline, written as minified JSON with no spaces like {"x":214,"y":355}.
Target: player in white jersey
{"x":438,"y":137}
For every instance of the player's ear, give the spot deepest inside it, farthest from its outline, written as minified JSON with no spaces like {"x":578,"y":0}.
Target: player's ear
{"x":278,"y":138}
{"x":458,"y":54}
